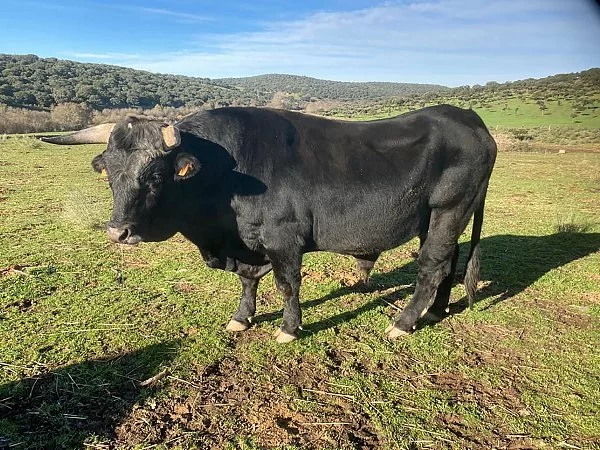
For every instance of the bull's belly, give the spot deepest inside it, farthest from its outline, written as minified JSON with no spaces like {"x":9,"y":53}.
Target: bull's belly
{"x":364,"y":233}
{"x":349,"y":221}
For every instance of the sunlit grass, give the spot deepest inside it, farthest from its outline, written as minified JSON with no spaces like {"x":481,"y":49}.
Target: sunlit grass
{"x":521,"y":368}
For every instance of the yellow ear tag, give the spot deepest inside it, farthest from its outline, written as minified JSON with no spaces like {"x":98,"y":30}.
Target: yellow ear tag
{"x":183,"y":172}
{"x":104,"y":173}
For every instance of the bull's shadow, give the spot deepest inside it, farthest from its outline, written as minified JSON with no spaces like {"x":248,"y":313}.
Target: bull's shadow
{"x":510,"y":263}
{"x":62,"y":408}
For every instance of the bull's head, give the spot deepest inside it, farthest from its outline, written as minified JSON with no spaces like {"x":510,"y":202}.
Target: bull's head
{"x":143,"y":160}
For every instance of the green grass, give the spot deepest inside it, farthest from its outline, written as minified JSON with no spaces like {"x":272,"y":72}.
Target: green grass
{"x":514,"y":112}
{"x":82,"y":322}
{"x":518,"y":124}
{"x":499,"y":114}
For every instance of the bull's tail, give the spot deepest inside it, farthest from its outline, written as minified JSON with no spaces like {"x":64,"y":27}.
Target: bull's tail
{"x":472,"y":269}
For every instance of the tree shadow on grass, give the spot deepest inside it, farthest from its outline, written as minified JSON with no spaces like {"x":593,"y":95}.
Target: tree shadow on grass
{"x":65,"y":407}
{"x":511,"y":263}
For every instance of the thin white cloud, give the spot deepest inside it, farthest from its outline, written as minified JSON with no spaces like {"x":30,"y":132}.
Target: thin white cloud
{"x":446,"y":41}
{"x":105,"y":56}
{"x":176,"y":14}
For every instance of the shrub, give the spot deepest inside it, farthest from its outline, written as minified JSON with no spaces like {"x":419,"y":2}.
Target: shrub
{"x":17,"y":120}
{"x":70,"y":116}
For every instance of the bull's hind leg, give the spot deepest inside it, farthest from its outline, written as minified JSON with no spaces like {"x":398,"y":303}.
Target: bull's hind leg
{"x":364,"y":265}
{"x":286,"y":270}
{"x":250,"y":277}
{"x":442,"y":296}
{"x":435,"y":267}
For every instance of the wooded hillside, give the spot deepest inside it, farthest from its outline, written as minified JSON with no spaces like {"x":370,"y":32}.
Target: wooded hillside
{"x":48,"y":94}
{"x":29,"y":81}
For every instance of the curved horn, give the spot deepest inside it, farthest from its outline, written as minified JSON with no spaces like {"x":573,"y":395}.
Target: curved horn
{"x":93,"y":135}
{"x":171,"y":137}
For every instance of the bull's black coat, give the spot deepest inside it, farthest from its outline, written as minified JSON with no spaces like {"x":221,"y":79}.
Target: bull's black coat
{"x":265,"y":186}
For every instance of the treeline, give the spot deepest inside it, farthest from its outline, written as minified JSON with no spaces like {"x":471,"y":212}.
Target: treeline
{"x":48,"y":94}
{"x":581,"y":91}
{"x":28,"y":81}
{"x":307,"y":88}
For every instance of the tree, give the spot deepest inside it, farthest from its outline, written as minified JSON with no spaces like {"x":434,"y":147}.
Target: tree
{"x":71,"y":116}
{"x":281,"y":100}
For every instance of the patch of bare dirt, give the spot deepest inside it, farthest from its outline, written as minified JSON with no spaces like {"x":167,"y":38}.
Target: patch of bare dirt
{"x":22,"y":305}
{"x":571,"y":316}
{"x":131,"y":257}
{"x":313,"y":275}
{"x":488,"y":400}
{"x":591,"y":298}
{"x":4,"y":193}
{"x":184,"y":287}
{"x":286,"y":405}
{"x":17,"y":269}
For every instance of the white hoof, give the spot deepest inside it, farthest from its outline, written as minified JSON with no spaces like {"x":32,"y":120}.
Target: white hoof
{"x":283,"y":338}
{"x":393,"y":333}
{"x":236,"y":326}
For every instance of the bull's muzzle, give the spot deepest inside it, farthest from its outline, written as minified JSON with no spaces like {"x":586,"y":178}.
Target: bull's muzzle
{"x":122,"y":235}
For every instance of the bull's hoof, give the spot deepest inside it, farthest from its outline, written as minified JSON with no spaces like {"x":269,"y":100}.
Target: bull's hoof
{"x":394,"y":333}
{"x":235,"y":326}
{"x":283,"y":338}
{"x":362,"y":286}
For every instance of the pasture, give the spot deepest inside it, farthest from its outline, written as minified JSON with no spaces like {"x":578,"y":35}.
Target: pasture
{"x":560,"y":122}
{"x":83,"y":323}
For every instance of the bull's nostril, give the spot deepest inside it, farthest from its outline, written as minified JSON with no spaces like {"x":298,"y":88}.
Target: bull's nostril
{"x":124,"y":235}
{"x":118,"y":234}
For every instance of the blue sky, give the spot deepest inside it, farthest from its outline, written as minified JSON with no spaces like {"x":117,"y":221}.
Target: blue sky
{"x":450,"y":42}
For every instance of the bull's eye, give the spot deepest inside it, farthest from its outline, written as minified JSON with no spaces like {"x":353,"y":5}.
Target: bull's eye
{"x":154,"y":181}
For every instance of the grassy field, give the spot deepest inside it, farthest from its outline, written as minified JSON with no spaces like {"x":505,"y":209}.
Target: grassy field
{"x":555,"y":124}
{"x":83,"y":323}
{"x":514,"y":112}
{"x":518,"y":124}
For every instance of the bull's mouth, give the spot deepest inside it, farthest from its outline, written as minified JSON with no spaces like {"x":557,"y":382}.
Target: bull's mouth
{"x":132,"y":240}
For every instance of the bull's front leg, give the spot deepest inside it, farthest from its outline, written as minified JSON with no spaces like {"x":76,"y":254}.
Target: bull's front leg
{"x":249,"y":277}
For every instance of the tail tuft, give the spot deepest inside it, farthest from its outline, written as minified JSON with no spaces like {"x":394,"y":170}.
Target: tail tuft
{"x":472,"y":269}
{"x":472,"y":274}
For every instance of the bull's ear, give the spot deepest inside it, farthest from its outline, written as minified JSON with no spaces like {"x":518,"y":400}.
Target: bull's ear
{"x":98,"y":164}
{"x":171,"y":137}
{"x":186,"y":166}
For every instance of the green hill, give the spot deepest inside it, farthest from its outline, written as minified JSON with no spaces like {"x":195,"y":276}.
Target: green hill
{"x":562,"y":108}
{"x":314,"y":88}
{"x":559,"y":100}
{"x":28,"y":81}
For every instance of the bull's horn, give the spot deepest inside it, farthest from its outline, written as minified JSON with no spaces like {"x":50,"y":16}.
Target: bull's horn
{"x":93,"y":135}
{"x":171,"y":137}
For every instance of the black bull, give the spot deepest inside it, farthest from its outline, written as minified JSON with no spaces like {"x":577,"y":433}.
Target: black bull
{"x":255,"y":189}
